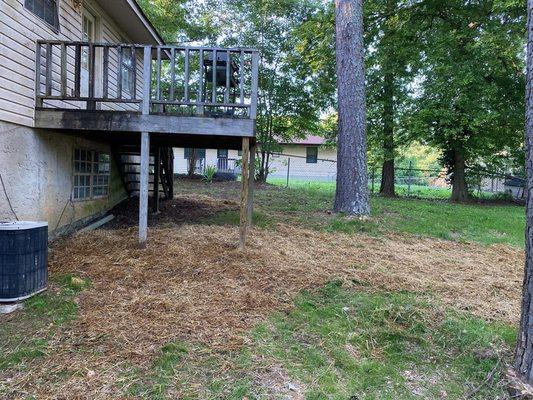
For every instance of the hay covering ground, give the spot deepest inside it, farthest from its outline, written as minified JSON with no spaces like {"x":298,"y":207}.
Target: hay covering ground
{"x":193,"y":284}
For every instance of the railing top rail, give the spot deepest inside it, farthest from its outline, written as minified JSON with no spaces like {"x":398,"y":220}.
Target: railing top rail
{"x":163,"y":47}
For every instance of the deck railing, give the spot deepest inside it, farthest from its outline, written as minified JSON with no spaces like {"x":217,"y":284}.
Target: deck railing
{"x":154,"y":79}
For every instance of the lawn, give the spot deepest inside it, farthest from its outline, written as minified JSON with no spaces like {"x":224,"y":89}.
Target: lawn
{"x":308,"y":204}
{"x":418,"y":302}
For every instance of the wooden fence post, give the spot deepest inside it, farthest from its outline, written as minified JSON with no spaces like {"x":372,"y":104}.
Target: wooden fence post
{"x":288,"y":170}
{"x":245,"y":174}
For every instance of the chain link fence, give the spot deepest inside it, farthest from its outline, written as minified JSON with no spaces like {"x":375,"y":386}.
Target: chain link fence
{"x":293,"y":171}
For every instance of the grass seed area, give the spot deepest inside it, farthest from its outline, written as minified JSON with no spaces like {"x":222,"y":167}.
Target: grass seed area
{"x":193,"y":317}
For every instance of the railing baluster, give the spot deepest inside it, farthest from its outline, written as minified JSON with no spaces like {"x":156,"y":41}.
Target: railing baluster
{"x":63,"y":70}
{"x":147,"y":79}
{"x":158,"y":75}
{"x":133,"y":82}
{"x":48,"y":75}
{"x":186,"y":72}
{"x":241,"y":79}
{"x":214,"y":76}
{"x":91,"y":104}
{"x":119,"y":72}
{"x":228,"y":70}
{"x":38,"y":98}
{"x":158,"y":79}
{"x":105,"y":73}
{"x":77,"y":71}
{"x":200,"y":98}
{"x":172,"y":72}
{"x":255,"y":84}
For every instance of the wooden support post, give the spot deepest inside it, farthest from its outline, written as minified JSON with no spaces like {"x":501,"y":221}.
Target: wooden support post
{"x":157,"y":170}
{"x":145,"y":150}
{"x":251,"y":184}
{"x":143,"y":190}
{"x":245,"y":174}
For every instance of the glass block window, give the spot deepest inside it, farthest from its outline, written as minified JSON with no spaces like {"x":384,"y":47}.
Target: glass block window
{"x":44,"y":9}
{"x":91,"y":174}
{"x":311,"y":155}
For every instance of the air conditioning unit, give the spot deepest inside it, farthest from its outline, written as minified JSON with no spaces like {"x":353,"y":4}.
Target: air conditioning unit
{"x":23,"y":259}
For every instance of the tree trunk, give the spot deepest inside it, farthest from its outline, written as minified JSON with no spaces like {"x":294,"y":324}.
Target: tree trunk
{"x":192,"y":163}
{"x":459,"y":185}
{"x":387,"y":172}
{"x":523,"y":360}
{"x":351,"y":194}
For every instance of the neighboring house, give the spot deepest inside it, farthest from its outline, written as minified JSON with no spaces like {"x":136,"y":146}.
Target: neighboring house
{"x":98,"y":115}
{"x":224,"y":160}
{"x":310,"y":158}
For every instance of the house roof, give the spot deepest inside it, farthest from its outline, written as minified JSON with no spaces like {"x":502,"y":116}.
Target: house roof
{"x":309,"y":140}
{"x":132,"y":20}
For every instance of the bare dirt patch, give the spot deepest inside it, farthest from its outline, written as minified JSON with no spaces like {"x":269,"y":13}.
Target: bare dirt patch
{"x":193,"y":284}
{"x":182,"y":209}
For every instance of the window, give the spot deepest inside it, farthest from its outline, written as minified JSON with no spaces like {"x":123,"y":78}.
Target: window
{"x":200,"y":153}
{"x":222,"y":153}
{"x":311,"y":155}
{"x":91,"y":174}
{"x":44,"y":9}
{"x":239,"y":153}
{"x":128,"y":55}
{"x":88,"y":35}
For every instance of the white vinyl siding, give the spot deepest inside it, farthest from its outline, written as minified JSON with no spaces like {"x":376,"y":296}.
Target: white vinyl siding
{"x":19,"y":30}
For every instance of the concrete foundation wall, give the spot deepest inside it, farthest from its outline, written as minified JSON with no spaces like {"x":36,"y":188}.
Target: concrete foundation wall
{"x":37,"y":170}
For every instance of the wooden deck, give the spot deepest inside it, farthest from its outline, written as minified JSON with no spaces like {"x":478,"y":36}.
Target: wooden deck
{"x":172,"y":90}
{"x":154,"y":97}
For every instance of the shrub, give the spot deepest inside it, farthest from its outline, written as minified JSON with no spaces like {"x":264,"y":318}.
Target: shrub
{"x":209,"y":173}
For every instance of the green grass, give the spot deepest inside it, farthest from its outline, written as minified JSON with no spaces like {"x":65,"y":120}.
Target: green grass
{"x":26,"y":337}
{"x":340,"y":343}
{"x":308,"y":204}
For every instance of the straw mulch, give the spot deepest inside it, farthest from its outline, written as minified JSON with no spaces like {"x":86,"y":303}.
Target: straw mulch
{"x":193,"y":284}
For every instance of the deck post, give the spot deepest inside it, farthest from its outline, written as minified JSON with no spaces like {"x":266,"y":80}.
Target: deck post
{"x":143,"y":190}
{"x":245,"y":174}
{"x":157,"y":169}
{"x":251,"y":184}
{"x":145,"y":151}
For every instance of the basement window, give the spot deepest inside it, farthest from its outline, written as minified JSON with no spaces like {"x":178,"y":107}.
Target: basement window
{"x":45,"y":10}
{"x":91,"y":174}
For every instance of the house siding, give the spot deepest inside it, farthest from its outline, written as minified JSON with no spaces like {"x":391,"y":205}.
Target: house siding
{"x":324,"y":169}
{"x":19,"y":31}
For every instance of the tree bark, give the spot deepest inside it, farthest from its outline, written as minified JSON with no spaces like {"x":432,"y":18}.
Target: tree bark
{"x":192,"y":163}
{"x":523,"y":360}
{"x":459,"y":185}
{"x":387,"y":171}
{"x":351,"y":195}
